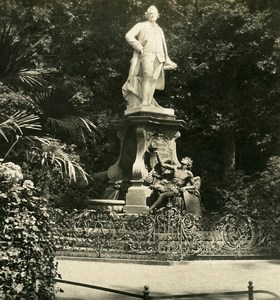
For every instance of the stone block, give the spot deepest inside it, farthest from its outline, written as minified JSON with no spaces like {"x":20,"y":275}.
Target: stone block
{"x":136,"y":199}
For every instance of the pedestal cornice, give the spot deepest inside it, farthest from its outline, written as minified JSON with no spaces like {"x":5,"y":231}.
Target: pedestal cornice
{"x":151,"y":119}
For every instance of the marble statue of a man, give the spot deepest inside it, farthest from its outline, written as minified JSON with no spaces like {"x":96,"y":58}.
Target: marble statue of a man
{"x":150,"y":59}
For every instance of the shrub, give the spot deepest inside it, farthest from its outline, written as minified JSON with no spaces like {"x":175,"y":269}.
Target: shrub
{"x":257,"y":195}
{"x":265,"y":195}
{"x":27,"y":265}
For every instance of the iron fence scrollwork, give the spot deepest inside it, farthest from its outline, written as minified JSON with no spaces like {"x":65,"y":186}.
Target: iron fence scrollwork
{"x":168,"y":234}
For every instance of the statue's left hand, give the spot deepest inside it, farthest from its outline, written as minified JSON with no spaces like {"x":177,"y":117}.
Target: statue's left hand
{"x":197,"y":182}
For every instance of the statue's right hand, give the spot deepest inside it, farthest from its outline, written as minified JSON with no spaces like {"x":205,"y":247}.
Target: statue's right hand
{"x":169,"y":65}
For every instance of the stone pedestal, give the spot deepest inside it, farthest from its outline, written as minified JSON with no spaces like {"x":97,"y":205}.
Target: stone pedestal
{"x":138,"y":132}
{"x":136,"y":197}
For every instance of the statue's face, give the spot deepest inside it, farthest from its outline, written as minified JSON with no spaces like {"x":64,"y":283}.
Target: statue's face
{"x":186,"y":166}
{"x":152,"y":14}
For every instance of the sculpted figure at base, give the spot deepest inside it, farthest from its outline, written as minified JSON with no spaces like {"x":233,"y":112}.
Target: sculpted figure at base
{"x":149,"y":60}
{"x":178,"y":184}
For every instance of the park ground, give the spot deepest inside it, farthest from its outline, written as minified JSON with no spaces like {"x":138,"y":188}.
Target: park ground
{"x":200,"y":276}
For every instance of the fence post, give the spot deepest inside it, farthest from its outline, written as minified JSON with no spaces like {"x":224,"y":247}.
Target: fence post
{"x":146,"y":293}
{"x":250,"y":291}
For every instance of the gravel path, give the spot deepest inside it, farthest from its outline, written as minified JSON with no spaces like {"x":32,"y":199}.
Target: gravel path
{"x":179,"y":278}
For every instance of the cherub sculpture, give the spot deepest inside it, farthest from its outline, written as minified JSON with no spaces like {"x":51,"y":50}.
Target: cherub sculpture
{"x":176,"y":183}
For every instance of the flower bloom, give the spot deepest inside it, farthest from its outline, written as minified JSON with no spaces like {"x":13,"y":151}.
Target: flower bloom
{"x":10,"y":172}
{"x":28,"y":184}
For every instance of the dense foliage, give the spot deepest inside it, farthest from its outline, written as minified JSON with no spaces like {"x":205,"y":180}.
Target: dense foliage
{"x":231,"y":80}
{"x":27,"y":266}
{"x":226,"y":86}
{"x":256,"y":196}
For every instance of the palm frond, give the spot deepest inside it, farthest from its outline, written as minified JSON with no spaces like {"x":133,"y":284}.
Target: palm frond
{"x":57,"y":107}
{"x":71,"y":126}
{"x":2,"y":133}
{"x":12,"y":128}
{"x":88,"y":124}
{"x":31,"y":77}
{"x":18,"y":122}
{"x":16,"y":66}
{"x":53,"y":153}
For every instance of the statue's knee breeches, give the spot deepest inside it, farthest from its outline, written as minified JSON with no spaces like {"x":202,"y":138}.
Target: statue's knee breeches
{"x":148,"y":77}
{"x":148,"y":73}
{"x":148,"y":61}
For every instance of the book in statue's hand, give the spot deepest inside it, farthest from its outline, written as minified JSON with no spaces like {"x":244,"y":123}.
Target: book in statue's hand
{"x":169,"y":65}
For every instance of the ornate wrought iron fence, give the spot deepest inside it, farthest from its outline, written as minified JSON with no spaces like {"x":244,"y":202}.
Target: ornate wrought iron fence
{"x":167,"y":234}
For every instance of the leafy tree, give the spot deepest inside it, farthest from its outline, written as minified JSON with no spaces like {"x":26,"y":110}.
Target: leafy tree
{"x":227,"y":79}
{"x":226,"y":86}
{"x":16,"y":61}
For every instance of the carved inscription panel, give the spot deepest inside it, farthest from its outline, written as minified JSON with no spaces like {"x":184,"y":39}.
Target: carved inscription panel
{"x":162,"y":144}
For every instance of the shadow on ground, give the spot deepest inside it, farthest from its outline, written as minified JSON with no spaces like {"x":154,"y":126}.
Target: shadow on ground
{"x":111,"y":296}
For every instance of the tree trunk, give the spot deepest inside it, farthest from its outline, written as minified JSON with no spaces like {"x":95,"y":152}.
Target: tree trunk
{"x":229,"y":152}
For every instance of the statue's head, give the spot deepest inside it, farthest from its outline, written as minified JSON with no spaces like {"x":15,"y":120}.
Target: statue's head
{"x":152,"y":14}
{"x":187,"y":161}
